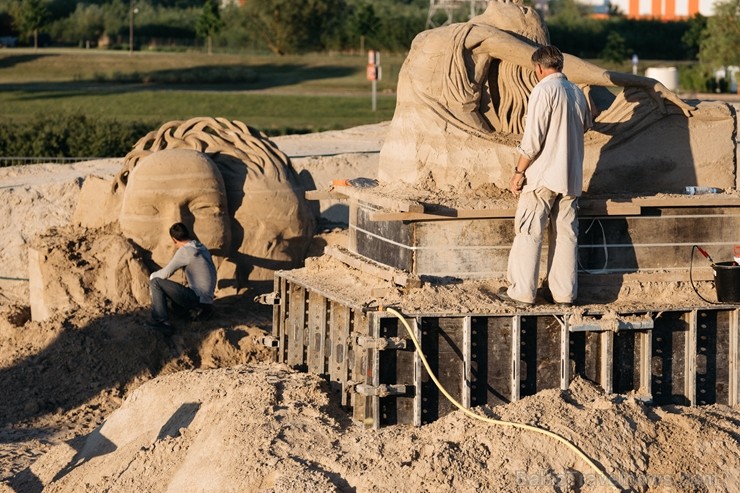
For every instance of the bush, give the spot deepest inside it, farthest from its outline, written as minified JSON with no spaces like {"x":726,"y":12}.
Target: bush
{"x":70,"y":136}
{"x":696,"y":78}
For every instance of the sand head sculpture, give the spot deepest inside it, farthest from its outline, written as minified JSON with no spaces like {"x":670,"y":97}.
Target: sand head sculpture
{"x":170,"y":186}
{"x":227,"y":181}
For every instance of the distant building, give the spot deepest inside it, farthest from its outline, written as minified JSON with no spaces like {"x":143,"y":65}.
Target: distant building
{"x":667,"y":10}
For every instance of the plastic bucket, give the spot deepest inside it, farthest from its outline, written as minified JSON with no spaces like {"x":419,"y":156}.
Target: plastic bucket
{"x":727,"y":282}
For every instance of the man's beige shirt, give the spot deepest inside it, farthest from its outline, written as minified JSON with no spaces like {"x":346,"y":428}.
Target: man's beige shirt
{"x":557,"y":117}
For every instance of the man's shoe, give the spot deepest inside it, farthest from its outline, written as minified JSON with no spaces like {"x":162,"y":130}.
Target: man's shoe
{"x":560,"y":304}
{"x":203,"y":312}
{"x":504,"y":296}
{"x":162,"y":326}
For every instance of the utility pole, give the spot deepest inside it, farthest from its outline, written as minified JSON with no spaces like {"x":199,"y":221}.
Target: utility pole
{"x":132,"y":12}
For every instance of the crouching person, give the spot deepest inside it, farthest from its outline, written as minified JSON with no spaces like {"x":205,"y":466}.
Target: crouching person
{"x":200,"y":272}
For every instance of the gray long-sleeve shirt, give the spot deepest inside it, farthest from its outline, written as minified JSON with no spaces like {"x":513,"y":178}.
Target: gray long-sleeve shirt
{"x":199,"y":269}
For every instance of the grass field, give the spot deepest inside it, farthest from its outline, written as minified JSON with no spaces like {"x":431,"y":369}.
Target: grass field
{"x":306,"y":93}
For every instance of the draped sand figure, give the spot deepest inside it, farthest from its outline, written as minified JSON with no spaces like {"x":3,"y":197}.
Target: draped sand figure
{"x":462,"y":95}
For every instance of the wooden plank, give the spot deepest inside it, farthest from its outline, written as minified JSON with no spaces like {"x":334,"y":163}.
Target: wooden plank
{"x":324,"y":195}
{"x":371,"y":267}
{"x":587,"y":208}
{"x":608,"y":208}
{"x":455,"y":214}
{"x":383,"y":201}
{"x":706,"y":200}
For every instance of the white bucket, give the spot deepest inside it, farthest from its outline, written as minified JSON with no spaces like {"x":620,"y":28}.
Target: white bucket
{"x":668,"y":76}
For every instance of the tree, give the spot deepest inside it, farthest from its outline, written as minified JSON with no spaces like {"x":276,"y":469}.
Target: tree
{"x":209,"y":23}
{"x":691,"y":39}
{"x":364,"y":23}
{"x":614,"y":50}
{"x":293,"y":26}
{"x":32,"y":16}
{"x":721,"y":46}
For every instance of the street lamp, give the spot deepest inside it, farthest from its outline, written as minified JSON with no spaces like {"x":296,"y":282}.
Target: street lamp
{"x":132,"y":12}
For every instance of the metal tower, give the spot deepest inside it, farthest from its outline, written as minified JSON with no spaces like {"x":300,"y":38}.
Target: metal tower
{"x":450,"y":6}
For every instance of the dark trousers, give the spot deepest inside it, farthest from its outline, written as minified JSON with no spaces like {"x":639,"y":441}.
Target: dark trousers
{"x":163,"y":289}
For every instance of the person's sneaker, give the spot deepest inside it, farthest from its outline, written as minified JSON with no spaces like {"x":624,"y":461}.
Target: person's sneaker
{"x":561,"y":304}
{"x":203,"y":312}
{"x":162,"y":326}
{"x":504,"y":296}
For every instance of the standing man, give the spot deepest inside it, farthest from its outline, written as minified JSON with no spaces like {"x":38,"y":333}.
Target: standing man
{"x":200,"y":273}
{"x":548,"y":179}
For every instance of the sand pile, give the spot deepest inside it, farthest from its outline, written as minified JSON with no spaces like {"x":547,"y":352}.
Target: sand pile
{"x":63,"y":376}
{"x":32,"y":200}
{"x":267,"y":428}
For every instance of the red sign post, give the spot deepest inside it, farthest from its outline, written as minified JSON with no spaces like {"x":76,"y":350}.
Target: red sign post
{"x":373,"y":73}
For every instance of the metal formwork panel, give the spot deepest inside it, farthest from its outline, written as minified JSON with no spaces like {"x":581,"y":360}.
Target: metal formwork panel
{"x":396,"y":367}
{"x":296,"y":325}
{"x":318,"y":308}
{"x":442,"y":344}
{"x":685,"y":356}
{"x":490,"y":350}
{"x":668,"y":362}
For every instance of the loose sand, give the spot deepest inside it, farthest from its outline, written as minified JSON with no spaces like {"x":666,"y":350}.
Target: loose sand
{"x":94,"y":401}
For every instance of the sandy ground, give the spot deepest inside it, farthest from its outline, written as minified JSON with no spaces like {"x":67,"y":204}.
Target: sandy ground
{"x":94,"y":401}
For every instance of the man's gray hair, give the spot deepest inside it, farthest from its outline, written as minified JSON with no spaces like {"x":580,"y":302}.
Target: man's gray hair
{"x":548,"y":57}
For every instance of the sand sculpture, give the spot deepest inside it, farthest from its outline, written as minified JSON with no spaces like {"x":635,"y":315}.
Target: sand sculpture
{"x":247,"y":205}
{"x":462,"y":99}
{"x":227,"y":181}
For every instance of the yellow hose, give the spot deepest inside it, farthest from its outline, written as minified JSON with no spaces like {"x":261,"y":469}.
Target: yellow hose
{"x":486,"y":419}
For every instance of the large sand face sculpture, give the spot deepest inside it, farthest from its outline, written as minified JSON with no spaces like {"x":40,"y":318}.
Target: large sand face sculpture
{"x":227,"y":181}
{"x":170,"y":186}
{"x":462,"y":100}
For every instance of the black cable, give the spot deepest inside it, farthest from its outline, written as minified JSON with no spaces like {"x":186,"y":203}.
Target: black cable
{"x":691,"y":277}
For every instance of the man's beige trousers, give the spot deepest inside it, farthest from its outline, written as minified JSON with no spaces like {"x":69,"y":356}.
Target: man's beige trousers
{"x":535,"y":211}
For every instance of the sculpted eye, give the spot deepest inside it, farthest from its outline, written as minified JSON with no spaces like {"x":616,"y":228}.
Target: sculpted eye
{"x":206,"y":209}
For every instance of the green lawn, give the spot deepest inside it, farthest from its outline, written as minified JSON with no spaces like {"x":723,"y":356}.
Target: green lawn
{"x":311,"y":92}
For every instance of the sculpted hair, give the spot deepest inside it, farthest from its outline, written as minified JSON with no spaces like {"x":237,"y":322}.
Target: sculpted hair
{"x":548,"y":57}
{"x":180,"y":232}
